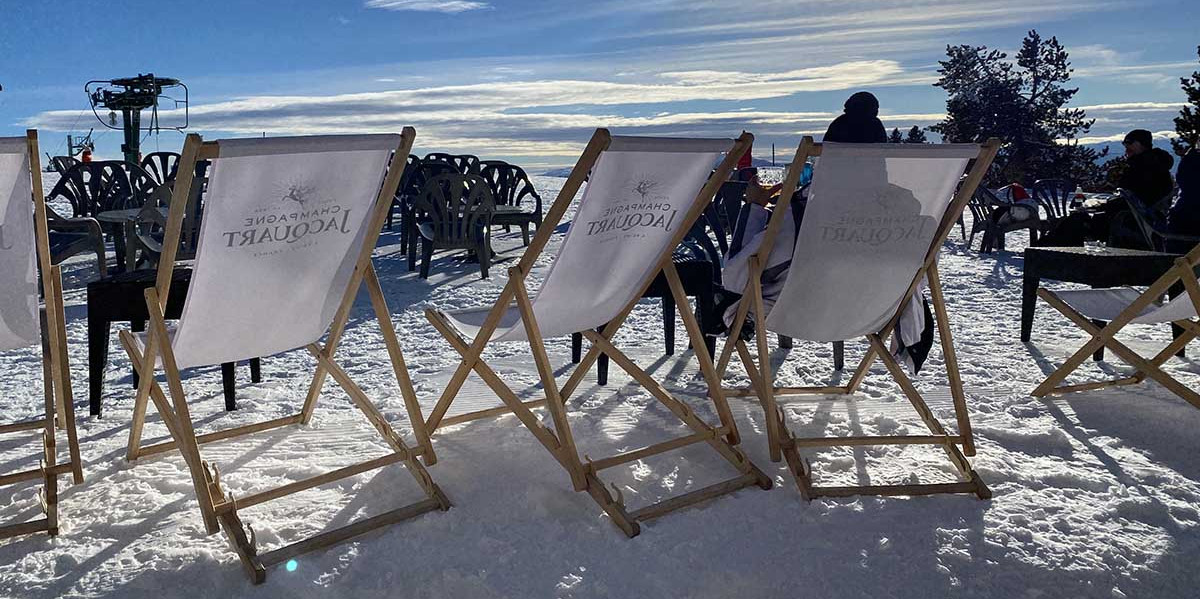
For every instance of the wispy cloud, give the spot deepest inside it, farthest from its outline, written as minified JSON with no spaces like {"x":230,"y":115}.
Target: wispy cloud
{"x":547,"y":116}
{"x":448,"y":6}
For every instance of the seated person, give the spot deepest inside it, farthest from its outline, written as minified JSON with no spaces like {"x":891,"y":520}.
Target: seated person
{"x":858,"y":124}
{"x":1184,"y":217}
{"x":1147,"y":175}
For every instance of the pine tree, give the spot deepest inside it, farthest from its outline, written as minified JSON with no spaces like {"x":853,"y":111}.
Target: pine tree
{"x":1187,"y":124}
{"x":915,"y":136}
{"x":895,"y":137}
{"x":1022,"y":103}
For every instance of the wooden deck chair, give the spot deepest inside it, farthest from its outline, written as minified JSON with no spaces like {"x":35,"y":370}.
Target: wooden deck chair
{"x":1124,"y":306}
{"x":289,"y":226}
{"x":876,"y":217}
{"x":24,"y":249}
{"x":643,"y":194}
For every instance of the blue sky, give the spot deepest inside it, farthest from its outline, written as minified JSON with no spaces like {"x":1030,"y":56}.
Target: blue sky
{"x":528,"y":80}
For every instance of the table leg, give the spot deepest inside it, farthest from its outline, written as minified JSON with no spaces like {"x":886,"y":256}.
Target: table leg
{"x":1175,"y":291}
{"x":1099,"y":355}
{"x":130,"y":233}
{"x":98,"y":330}
{"x":118,"y":236}
{"x":228,"y":385}
{"x":1029,"y":287}
{"x":255,"y":370}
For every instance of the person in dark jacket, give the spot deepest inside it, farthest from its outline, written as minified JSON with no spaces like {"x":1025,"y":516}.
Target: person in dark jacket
{"x":1147,"y":175}
{"x":1148,"y":169}
{"x":859,"y":122}
{"x":1184,"y":218}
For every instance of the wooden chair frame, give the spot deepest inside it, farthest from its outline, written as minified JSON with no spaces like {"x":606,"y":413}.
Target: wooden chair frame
{"x":56,"y":377}
{"x":1182,"y":273}
{"x":218,"y":508}
{"x":584,"y":471}
{"x":783,"y":444}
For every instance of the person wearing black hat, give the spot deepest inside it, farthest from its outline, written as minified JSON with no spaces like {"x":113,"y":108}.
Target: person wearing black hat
{"x":859,"y":122}
{"x":1148,"y":172}
{"x":1147,"y":175}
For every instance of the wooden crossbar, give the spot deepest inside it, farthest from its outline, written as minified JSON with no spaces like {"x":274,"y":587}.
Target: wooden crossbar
{"x":876,"y":440}
{"x":488,"y":413}
{"x":308,"y":483}
{"x":27,"y":425}
{"x":782,"y":391}
{"x":346,"y":533}
{"x":692,"y":498}
{"x":228,"y":433}
{"x":651,"y":450}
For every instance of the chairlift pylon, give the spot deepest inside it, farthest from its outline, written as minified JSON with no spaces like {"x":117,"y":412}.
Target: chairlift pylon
{"x":130,"y":96}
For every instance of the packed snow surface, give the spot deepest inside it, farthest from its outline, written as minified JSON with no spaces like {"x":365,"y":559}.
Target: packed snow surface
{"x":1096,"y":494}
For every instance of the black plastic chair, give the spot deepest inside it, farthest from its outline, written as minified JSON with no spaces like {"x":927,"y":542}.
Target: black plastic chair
{"x":510,"y":186}
{"x":465,"y":164}
{"x":398,"y":202}
{"x":1152,"y":224}
{"x":72,"y":236}
{"x":456,"y":213}
{"x":161,"y":166}
{"x":409,"y":217}
{"x":62,"y":164}
{"x":697,"y":261}
{"x":94,"y":187}
{"x":1056,"y":197}
{"x":984,"y":206}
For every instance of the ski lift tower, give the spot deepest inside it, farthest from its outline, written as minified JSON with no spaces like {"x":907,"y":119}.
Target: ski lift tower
{"x":130,"y":96}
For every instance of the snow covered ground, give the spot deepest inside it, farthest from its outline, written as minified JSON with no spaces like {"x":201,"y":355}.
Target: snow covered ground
{"x":1096,"y":494}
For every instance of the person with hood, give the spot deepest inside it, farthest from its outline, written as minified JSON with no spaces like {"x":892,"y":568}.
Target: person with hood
{"x":859,"y":122}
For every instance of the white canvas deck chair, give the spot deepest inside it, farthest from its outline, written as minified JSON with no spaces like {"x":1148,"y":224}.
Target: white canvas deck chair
{"x":289,"y":226}
{"x":642,"y":196}
{"x":876,"y":217}
{"x":24,"y":249}
{"x":1124,"y":306}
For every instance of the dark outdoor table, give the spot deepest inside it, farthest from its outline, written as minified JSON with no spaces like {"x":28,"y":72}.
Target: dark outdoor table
{"x":124,"y":228}
{"x":1096,"y":267}
{"x":120,"y":298}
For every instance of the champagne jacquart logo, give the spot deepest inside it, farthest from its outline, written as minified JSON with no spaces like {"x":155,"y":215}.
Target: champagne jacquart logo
{"x":298,"y":217}
{"x":641,"y":212}
{"x":894,"y":218}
